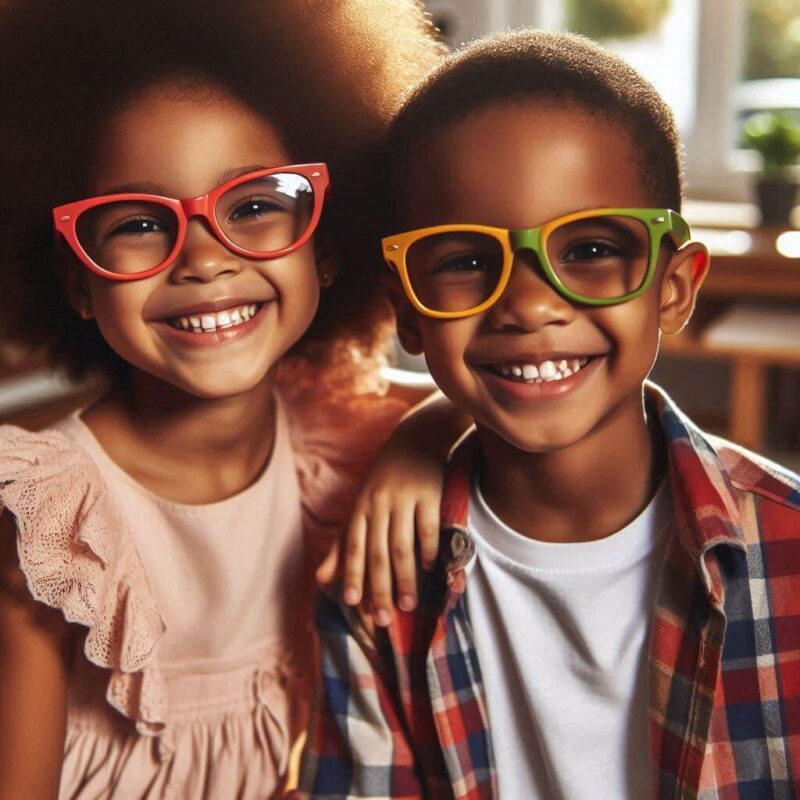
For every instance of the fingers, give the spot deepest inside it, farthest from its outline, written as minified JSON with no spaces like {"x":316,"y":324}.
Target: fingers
{"x":404,"y":563}
{"x":380,"y":578}
{"x":326,"y":571}
{"x":427,"y":519}
{"x":354,"y":554}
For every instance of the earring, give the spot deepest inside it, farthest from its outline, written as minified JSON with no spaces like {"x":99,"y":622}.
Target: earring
{"x":325,"y":278}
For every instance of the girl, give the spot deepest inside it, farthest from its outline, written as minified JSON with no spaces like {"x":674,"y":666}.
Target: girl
{"x":153,"y":585}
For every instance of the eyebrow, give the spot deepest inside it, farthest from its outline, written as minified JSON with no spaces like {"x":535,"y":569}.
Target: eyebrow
{"x":157,"y":189}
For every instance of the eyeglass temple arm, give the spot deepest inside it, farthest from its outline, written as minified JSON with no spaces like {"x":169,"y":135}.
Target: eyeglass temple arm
{"x":679,"y":229}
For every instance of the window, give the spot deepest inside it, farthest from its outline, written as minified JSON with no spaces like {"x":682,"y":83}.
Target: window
{"x":714,"y":61}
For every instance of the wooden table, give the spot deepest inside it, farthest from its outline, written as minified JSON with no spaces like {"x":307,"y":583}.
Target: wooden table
{"x":760,"y":273}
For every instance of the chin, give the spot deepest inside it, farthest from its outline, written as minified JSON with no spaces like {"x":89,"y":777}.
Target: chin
{"x":542,"y":438}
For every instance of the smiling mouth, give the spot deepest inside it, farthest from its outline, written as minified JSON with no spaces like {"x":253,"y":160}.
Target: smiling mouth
{"x":212,"y":322}
{"x":542,"y":372}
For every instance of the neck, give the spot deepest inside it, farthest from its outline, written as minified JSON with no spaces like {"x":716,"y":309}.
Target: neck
{"x":585,"y":491}
{"x":183,"y":447}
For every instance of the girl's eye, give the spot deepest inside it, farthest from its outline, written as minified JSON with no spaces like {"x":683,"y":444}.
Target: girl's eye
{"x":594,"y":250}
{"x":137,"y":227}
{"x":464,"y":262}
{"x":255,"y":207}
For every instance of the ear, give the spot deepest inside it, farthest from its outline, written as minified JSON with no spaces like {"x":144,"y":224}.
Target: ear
{"x":327,"y":260}
{"x":683,"y":277}
{"x":408,"y":331}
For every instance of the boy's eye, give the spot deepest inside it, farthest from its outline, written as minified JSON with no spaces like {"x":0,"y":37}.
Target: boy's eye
{"x":464,"y":262}
{"x":255,"y":207}
{"x":594,"y":250}
{"x":137,"y":227}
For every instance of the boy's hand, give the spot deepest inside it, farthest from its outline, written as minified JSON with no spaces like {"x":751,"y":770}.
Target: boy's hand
{"x":400,"y":496}
{"x":397,"y":511}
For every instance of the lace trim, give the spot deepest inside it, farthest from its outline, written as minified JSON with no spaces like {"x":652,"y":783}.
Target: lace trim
{"x":77,"y":556}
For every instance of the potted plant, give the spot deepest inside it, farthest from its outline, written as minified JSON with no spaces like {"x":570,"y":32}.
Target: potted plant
{"x":775,"y":135}
{"x":615,"y":19}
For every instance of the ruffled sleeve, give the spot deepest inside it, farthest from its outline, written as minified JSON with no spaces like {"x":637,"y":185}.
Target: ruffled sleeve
{"x":77,"y":555}
{"x":333,"y":446}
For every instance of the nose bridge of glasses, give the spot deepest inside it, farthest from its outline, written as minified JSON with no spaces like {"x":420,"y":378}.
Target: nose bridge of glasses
{"x":195,"y":206}
{"x":526,"y":239}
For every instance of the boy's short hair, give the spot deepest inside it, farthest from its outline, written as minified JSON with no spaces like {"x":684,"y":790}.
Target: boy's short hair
{"x":562,"y":68}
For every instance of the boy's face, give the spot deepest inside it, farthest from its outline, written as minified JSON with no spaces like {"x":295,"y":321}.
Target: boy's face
{"x":517,"y":165}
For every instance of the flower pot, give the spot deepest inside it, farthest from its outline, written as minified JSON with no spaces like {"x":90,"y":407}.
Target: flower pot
{"x":776,"y":199}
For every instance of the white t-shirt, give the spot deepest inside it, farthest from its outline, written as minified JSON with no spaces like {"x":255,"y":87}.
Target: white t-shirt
{"x":561,"y":632}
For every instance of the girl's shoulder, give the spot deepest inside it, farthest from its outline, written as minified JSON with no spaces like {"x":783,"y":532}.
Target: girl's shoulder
{"x":334,"y":441}
{"x":77,"y":556}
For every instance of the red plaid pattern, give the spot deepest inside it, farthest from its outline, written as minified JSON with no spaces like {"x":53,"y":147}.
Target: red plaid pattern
{"x":401,"y":714}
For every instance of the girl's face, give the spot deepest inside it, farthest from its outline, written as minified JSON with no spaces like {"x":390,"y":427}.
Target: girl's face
{"x":184,"y":145}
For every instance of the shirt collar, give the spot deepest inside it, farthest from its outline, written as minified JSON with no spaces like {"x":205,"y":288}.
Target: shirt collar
{"x":704,"y":499}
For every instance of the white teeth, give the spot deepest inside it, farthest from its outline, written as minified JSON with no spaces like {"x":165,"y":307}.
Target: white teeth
{"x":208,"y":323}
{"x":547,"y":369}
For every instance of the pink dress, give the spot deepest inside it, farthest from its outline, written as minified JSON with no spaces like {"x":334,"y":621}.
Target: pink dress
{"x":191,"y":681}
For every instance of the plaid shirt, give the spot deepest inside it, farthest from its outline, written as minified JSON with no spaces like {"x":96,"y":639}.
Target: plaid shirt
{"x":402,"y":713}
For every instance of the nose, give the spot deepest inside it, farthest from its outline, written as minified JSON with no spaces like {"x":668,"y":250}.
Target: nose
{"x":203,"y":257}
{"x":529,"y":301}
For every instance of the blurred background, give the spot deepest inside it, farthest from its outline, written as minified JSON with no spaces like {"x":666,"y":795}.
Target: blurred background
{"x":731,"y":71}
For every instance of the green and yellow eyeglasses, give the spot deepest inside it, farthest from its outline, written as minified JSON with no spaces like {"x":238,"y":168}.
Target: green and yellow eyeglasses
{"x":599,"y":257}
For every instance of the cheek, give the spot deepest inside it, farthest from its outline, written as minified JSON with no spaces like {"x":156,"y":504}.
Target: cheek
{"x":299,"y":291}
{"x":445,"y":344}
{"x":633,"y":329}
{"x":118,"y":311}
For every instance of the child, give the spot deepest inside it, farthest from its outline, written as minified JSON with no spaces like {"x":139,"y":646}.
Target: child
{"x":616,"y":607}
{"x":166,"y":520}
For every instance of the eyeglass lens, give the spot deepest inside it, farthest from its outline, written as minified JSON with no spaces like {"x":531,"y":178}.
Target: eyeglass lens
{"x":264,"y":215}
{"x":598,"y":257}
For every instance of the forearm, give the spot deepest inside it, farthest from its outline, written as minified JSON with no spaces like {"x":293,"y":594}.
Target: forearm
{"x":430,"y":428}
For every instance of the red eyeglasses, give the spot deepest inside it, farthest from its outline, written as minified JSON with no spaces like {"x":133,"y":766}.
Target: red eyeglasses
{"x":262,"y":215}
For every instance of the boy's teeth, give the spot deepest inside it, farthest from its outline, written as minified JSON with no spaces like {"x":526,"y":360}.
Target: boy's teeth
{"x":545,"y":372}
{"x":548,"y":370}
{"x":208,"y":323}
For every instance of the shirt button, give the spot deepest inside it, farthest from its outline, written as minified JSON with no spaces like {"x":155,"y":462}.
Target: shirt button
{"x":461,"y":549}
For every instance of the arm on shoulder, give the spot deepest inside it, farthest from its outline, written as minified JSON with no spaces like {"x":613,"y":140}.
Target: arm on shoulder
{"x":34,"y":645}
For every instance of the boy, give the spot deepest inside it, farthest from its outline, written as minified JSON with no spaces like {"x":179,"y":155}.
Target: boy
{"x":631,"y":624}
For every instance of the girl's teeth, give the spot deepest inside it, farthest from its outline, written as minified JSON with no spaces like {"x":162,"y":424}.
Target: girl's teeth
{"x":516,"y":371}
{"x":529,"y":372}
{"x":208,"y":323}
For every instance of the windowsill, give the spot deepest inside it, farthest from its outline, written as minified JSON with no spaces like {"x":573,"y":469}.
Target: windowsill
{"x":718,"y":214}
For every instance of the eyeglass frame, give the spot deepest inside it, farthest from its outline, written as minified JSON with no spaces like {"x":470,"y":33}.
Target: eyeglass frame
{"x":65,"y":217}
{"x":660,"y":222}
